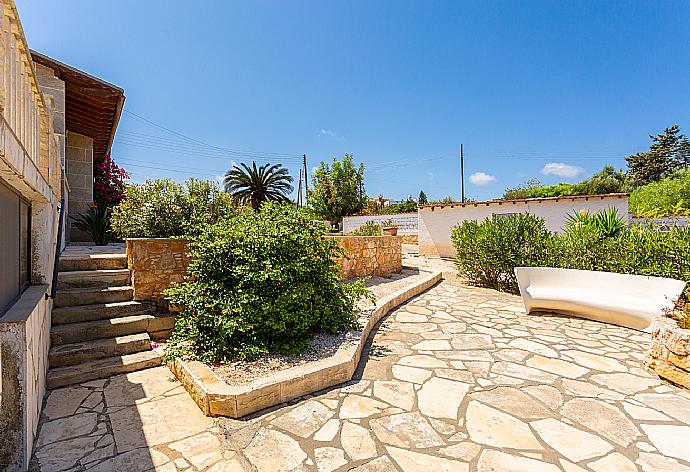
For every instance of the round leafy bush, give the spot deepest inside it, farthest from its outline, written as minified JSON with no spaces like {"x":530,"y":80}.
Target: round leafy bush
{"x":163,"y":208}
{"x":261,"y":282}
{"x":487,"y":252}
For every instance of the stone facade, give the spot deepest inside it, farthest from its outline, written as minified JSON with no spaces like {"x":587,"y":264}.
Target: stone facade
{"x":79,"y":169}
{"x":155,"y":263}
{"x":369,"y":255}
{"x":669,"y":355}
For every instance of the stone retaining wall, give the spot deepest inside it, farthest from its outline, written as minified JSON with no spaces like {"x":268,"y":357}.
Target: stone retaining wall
{"x":669,"y":355}
{"x":155,"y":263}
{"x":369,"y":255}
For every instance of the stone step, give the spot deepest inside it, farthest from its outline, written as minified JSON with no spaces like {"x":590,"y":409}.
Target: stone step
{"x":101,"y":368}
{"x":89,"y":330}
{"x":91,"y":295}
{"x":93,"y":278}
{"x":82,"y":262}
{"x":100,"y":311}
{"x":76,"y":353}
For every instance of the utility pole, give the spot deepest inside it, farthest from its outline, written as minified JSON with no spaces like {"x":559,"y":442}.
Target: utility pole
{"x":306,"y":179}
{"x":462,"y":175}
{"x":299,"y":190}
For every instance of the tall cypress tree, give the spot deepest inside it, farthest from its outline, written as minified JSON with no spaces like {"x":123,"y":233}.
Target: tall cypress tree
{"x":422,"y":200}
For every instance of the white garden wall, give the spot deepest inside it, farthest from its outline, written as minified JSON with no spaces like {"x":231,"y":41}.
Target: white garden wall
{"x":407,"y":222}
{"x":437,"y":221}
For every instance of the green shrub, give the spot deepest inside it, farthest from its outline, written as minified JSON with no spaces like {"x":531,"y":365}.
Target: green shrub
{"x":605,"y":223}
{"x":489,"y":251}
{"x":162,"y":208}
{"x":260,"y":282}
{"x":369,"y":228}
{"x":668,"y":197}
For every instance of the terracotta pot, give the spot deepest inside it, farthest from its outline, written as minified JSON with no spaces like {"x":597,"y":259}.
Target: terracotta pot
{"x":390,"y":231}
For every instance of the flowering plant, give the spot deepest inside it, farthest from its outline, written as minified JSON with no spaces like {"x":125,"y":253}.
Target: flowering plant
{"x":109,"y":182}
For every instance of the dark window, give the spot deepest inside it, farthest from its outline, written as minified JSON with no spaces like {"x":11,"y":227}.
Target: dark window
{"x":15,"y":246}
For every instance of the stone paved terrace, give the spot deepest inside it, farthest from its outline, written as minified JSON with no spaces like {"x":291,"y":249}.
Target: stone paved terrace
{"x":458,"y":379}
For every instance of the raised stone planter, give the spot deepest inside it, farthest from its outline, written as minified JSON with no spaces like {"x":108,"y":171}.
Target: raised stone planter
{"x":216,"y":398}
{"x":155,"y":263}
{"x":369,"y":255}
{"x":669,"y":355}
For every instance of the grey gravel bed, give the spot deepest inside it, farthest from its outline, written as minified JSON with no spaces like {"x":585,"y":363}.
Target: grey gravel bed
{"x":323,"y":345}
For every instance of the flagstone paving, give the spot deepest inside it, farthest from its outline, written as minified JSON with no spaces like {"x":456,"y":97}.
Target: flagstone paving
{"x":457,"y":379}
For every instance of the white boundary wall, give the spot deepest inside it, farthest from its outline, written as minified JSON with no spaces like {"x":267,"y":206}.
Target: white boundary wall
{"x":437,"y":221}
{"x":407,"y":222}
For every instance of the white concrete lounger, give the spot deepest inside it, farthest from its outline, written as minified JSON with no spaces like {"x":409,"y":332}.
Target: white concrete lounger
{"x":621,"y":299}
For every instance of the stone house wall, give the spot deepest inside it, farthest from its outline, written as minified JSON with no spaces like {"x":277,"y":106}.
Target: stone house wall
{"x":79,"y":171}
{"x":369,"y":255}
{"x":155,"y":263}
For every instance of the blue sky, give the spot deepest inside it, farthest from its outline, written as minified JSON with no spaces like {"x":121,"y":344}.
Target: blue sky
{"x":547,"y":90}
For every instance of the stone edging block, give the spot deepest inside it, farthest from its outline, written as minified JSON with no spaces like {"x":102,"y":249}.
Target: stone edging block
{"x":669,"y":355}
{"x":216,"y":398}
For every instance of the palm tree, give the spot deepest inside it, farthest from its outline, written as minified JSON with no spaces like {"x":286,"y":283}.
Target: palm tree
{"x":256,"y":185}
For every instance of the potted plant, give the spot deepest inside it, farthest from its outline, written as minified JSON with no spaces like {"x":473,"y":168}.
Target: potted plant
{"x":389,"y":228}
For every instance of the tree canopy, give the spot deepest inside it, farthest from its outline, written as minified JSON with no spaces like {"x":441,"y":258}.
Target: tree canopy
{"x":252,"y":185}
{"x":338,"y":189}
{"x":668,"y":153}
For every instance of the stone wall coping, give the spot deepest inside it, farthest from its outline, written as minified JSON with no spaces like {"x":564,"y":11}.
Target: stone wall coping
{"x":25,"y":305}
{"x":157,"y":239}
{"x":216,"y":398}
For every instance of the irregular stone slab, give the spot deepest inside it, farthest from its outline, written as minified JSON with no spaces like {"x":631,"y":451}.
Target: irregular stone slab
{"x":157,"y":422}
{"x":441,"y":398}
{"x":328,"y":431}
{"x":465,"y":451}
{"x":140,"y":386}
{"x":410,"y":374}
{"x":380,"y":464}
{"x":432,"y":345}
{"x":597,"y":362}
{"x":523,"y":372}
{"x":422,"y":361}
{"x":624,"y":383}
{"x":472,"y":341}
{"x":572,"y":443}
{"x":497,"y":461}
{"x":557,"y":366}
{"x":476,"y":356}
{"x":58,"y":456}
{"x":644,"y":413}
{"x":673,"y":405}
{"x":410,"y":318}
{"x":533,"y":347}
{"x":656,"y":463}
{"x":670,"y":440}
{"x":546,"y":394}
{"x":408,"y":460}
{"x":492,"y":427}
{"x":232,"y":465}
{"x":453,"y":327}
{"x":142,"y":459}
{"x":455,"y":374}
{"x":66,"y":428}
{"x":569,"y":466}
{"x":329,"y":459}
{"x":63,"y":402}
{"x":201,"y":450}
{"x":513,"y":401}
{"x":357,"y":442}
{"x":615,"y":461}
{"x":273,"y":451}
{"x":400,"y":394}
{"x":584,"y":388}
{"x":305,"y":419}
{"x":605,"y":419}
{"x":356,"y":406}
{"x":407,"y":430}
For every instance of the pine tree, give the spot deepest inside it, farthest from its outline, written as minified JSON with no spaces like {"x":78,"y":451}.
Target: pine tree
{"x":669,"y":152}
{"x":422,"y":200}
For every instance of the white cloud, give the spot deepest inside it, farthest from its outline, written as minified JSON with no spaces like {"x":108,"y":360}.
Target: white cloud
{"x":482,"y":178}
{"x":327,"y":132}
{"x":562,"y":169}
{"x":429,"y":174}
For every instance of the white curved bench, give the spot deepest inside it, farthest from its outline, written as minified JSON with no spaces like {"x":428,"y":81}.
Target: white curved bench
{"x":626,"y":300}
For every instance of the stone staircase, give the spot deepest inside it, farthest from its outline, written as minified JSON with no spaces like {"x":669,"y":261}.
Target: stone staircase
{"x":98,"y":330}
